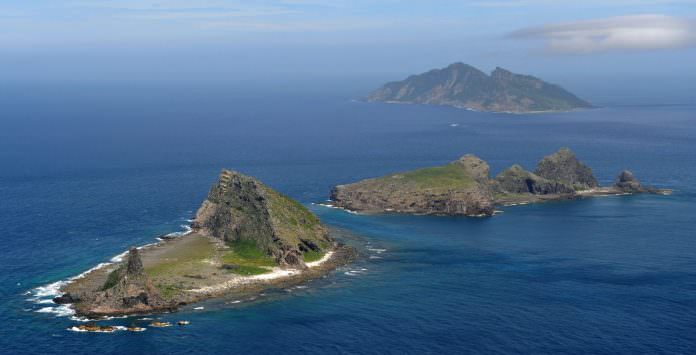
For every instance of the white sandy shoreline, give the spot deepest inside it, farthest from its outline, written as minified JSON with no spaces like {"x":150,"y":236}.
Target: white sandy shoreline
{"x":276,"y":274}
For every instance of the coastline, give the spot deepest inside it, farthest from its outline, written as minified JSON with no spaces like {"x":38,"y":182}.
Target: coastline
{"x":223,"y":285}
{"x":524,"y":200}
{"x":518,"y":113}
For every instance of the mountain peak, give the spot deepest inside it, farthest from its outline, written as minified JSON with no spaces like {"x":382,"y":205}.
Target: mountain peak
{"x":240,"y":208}
{"x":464,"y":86}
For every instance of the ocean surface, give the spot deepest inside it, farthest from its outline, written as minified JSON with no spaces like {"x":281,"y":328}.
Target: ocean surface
{"x":89,"y":169}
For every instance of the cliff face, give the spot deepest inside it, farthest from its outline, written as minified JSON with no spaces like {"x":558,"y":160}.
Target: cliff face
{"x":240,"y":208}
{"x":461,"y":85}
{"x":459,"y":188}
{"x":564,"y":167}
{"x":628,"y":183}
{"x":464,"y":187}
{"x":516,"y":180}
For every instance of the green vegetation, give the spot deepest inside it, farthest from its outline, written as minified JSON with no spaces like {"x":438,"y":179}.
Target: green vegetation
{"x":246,"y":253}
{"x":293,"y":212}
{"x":112,"y":279}
{"x":310,"y":256}
{"x":247,"y":259}
{"x":466,"y":86}
{"x":183,"y":260}
{"x":168,"y":291}
{"x":449,"y":176}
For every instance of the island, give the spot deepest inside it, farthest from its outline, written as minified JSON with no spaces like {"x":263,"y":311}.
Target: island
{"x":463,"y":86}
{"x":245,"y":237}
{"x":465,"y":188}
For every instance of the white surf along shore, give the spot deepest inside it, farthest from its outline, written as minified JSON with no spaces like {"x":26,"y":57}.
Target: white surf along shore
{"x":276,"y":273}
{"x":44,"y":295}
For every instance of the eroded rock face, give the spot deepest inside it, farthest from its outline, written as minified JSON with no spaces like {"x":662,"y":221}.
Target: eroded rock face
{"x":516,"y":180}
{"x":565,"y":168}
{"x":628,"y":183}
{"x":459,"y":188}
{"x":128,"y":290}
{"x":464,"y":187}
{"x":240,"y":207}
{"x":476,"y":167}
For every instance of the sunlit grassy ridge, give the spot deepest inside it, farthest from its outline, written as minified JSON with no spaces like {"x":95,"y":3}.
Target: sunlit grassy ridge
{"x":450,"y":175}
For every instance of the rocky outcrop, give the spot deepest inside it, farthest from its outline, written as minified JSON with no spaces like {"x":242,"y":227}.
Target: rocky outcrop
{"x":464,"y":187}
{"x":240,"y":207}
{"x":565,"y":168}
{"x":459,"y":188}
{"x":463,"y":86}
{"x":516,"y":180}
{"x":628,"y":183}
{"x":127,"y":290}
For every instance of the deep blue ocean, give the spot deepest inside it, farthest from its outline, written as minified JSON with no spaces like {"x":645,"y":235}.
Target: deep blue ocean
{"x":89,"y":169}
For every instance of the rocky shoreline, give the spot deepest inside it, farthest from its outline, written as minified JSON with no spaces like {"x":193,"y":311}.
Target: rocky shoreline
{"x":87,"y":297}
{"x":465,"y":187}
{"x":245,"y":238}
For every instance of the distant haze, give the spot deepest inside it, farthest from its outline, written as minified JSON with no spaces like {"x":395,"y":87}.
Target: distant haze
{"x":646,"y":47}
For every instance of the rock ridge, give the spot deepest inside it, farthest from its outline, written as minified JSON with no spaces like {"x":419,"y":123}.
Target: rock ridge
{"x":464,"y":187}
{"x":464,"y":86}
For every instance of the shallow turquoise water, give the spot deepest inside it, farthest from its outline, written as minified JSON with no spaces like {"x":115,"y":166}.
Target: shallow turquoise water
{"x":91,"y":170}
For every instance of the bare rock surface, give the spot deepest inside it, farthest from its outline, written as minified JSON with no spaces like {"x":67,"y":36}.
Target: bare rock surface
{"x":464,"y":187}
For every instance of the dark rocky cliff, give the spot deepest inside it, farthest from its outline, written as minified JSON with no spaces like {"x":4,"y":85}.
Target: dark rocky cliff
{"x":459,"y":188}
{"x":240,"y":207}
{"x":464,"y":187}
{"x":564,"y":167}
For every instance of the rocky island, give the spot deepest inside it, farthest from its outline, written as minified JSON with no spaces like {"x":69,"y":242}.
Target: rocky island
{"x":463,"y":86}
{"x":245,"y":237}
{"x":464,"y":187}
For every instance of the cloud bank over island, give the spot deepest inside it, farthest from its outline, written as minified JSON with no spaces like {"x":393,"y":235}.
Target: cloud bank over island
{"x":622,"y":33}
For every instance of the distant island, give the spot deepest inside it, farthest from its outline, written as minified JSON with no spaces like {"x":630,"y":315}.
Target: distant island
{"x":464,"y":187}
{"x":463,"y":86}
{"x":246,"y":237}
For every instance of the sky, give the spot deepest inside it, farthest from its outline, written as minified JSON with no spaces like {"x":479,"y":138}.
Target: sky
{"x":571,"y":41}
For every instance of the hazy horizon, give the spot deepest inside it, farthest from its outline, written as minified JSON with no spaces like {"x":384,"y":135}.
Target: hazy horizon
{"x":639,"y":45}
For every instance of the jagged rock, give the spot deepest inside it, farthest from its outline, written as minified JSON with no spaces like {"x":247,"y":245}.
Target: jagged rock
{"x":66,"y":299}
{"x":477,"y":168}
{"x":516,"y":180}
{"x":135,"y":264}
{"x":628,"y":183}
{"x":240,"y":207}
{"x":128,"y":290}
{"x":564,"y":167}
{"x":464,"y":187}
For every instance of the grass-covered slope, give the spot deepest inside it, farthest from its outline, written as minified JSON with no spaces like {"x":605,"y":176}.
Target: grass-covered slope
{"x":458,"y":188}
{"x":464,"y":187}
{"x":240,"y":208}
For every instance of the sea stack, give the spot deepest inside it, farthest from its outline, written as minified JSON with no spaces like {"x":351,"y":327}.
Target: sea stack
{"x":127,"y":289}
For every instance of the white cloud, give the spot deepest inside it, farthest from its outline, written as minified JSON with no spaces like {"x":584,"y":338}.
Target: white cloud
{"x":636,"y":32}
